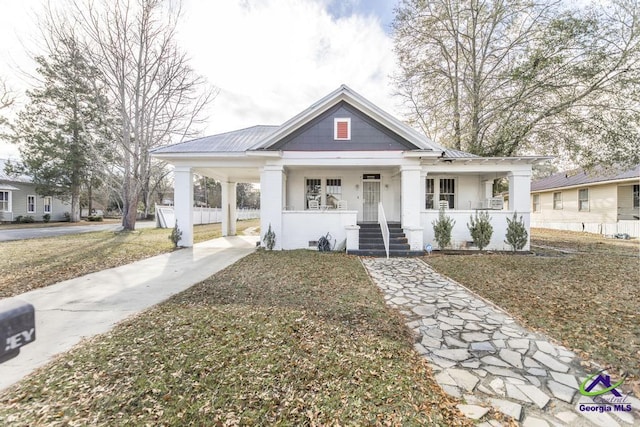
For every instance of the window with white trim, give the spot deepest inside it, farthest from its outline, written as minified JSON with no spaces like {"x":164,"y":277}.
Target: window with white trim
{"x":31,"y":204}
{"x":448,"y":191}
{"x":342,"y":129}
{"x":636,"y":196}
{"x":5,"y":201}
{"x":430,"y":189}
{"x":557,"y":200}
{"x":333,"y":191}
{"x":313,"y":191}
{"x":536,"y":203}
{"x":583,"y":199}
{"x":47,"y":202}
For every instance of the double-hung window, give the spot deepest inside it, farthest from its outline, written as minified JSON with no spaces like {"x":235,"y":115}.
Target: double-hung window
{"x":313,"y":191}
{"x":583,"y":199}
{"x":536,"y":203}
{"x":448,"y":191}
{"x":4,"y":201}
{"x":429,"y":193}
{"x":636,"y":196}
{"x":31,"y":204}
{"x":47,"y":201}
{"x":557,"y":200}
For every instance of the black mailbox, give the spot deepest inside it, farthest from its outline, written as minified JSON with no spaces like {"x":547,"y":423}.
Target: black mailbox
{"x":17,"y":327}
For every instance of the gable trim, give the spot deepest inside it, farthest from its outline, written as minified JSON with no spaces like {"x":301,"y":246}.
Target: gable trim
{"x":344,"y":93}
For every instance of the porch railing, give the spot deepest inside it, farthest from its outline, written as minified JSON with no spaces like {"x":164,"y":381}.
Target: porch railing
{"x":384,"y":227}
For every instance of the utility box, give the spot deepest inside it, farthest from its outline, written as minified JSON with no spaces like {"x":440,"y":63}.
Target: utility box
{"x":17,"y":327}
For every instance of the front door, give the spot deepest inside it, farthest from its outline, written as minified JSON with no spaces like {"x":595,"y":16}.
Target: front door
{"x":371,"y":198}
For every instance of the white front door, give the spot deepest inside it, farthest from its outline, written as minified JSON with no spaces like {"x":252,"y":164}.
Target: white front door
{"x":371,"y":198}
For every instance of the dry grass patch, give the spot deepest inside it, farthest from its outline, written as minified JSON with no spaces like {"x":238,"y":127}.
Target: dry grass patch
{"x":35,"y":263}
{"x":286,"y":338}
{"x":580,"y":289}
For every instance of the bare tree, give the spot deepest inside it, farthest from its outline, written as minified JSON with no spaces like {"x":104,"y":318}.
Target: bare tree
{"x":496,"y":77}
{"x":159,"y":98}
{"x":7,"y":98}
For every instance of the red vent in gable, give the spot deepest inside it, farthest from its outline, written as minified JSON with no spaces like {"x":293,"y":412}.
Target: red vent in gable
{"x":342,"y":131}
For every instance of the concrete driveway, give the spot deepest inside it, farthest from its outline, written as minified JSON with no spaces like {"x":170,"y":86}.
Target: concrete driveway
{"x":88,"y":305}
{"x":34,"y":233}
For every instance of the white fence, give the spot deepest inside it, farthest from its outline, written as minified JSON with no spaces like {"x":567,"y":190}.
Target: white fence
{"x":165,"y":217}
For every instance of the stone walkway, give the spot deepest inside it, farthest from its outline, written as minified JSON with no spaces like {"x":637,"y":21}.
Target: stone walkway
{"x":482,"y":356}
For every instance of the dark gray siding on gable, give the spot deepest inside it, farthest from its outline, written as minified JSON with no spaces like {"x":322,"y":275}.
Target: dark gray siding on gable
{"x":366,"y":134}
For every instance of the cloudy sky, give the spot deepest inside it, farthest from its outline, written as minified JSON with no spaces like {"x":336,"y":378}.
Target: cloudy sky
{"x":269,"y":58}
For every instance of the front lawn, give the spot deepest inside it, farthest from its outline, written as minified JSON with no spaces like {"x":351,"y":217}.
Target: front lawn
{"x":581,"y":289}
{"x":35,"y":263}
{"x":279,"y":338}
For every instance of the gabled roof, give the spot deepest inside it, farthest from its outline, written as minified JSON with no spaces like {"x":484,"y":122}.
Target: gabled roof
{"x":236,"y":141}
{"x":582,"y":177}
{"x":12,"y":178}
{"x":346,"y":94}
{"x":261,"y":138}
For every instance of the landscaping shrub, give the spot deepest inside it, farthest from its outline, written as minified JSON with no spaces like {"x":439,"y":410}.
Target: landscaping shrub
{"x":442,"y":229}
{"x":46,"y":218}
{"x":481,"y":229}
{"x":95,"y":218}
{"x":516,"y":233}
{"x":176,"y":235}
{"x":18,"y":219}
{"x":270,"y":238}
{"x":27,"y":219}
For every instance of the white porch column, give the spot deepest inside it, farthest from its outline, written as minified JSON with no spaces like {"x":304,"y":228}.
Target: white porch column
{"x":183,"y":203}
{"x":520,"y":192}
{"x":520,"y":199}
{"x":229,"y":213}
{"x":272,"y":202}
{"x":412,"y":199}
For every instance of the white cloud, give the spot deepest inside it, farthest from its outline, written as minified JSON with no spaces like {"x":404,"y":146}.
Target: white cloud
{"x":273,"y":58}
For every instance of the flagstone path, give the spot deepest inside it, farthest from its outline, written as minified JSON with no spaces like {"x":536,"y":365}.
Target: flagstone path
{"x":480,"y":354}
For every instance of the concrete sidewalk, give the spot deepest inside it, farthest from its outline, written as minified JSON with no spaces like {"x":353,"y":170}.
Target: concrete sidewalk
{"x":89,"y":305}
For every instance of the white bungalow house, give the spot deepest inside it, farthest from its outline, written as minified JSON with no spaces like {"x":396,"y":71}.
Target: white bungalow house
{"x":342,"y":166}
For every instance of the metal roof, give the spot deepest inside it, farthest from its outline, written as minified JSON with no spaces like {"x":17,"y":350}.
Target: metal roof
{"x":582,"y":177}
{"x":12,"y":178}
{"x":457,"y":154}
{"x":228,"y":142}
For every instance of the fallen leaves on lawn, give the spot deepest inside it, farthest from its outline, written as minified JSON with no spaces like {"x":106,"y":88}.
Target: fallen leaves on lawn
{"x":585,"y":296}
{"x":286,"y":338}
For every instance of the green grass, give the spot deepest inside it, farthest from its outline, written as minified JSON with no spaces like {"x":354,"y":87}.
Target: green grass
{"x":279,"y":338}
{"x":35,"y":263}
{"x":580,"y":289}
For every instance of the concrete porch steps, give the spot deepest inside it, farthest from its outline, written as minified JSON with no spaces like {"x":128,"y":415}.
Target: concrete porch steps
{"x":372,"y":244}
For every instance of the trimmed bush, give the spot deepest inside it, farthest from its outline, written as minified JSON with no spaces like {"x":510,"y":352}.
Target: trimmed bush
{"x":176,"y":235}
{"x":46,"y":217}
{"x":270,"y":238}
{"x":516,"y":233}
{"x":481,"y":229}
{"x":442,"y":228}
{"x":95,"y":218}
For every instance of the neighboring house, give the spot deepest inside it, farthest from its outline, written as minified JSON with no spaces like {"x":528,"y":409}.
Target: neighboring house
{"x":341,"y":166}
{"x":603,"y":202}
{"x":18,"y":197}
